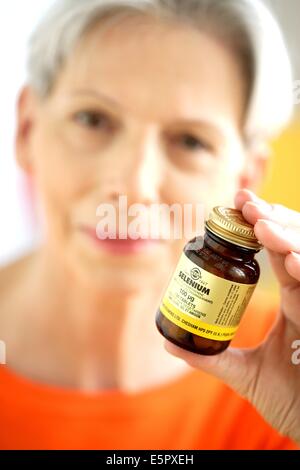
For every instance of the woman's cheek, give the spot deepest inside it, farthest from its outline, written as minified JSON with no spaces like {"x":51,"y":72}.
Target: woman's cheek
{"x":221,"y":180}
{"x":201,"y":184}
{"x":58,"y":169}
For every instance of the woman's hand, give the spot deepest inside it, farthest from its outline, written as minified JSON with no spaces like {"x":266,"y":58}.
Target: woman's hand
{"x":267,"y":376}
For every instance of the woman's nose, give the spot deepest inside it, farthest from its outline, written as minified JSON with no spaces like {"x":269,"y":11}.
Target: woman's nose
{"x":138,"y":171}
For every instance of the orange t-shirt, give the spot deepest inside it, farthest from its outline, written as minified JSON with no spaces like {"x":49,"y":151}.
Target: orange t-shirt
{"x":195,"y":411}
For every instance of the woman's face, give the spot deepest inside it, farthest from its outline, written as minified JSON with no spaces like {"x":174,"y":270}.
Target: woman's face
{"x":145,"y":110}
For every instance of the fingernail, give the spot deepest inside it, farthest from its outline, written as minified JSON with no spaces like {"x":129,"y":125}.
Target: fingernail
{"x":252,"y":194}
{"x":262,"y":205}
{"x":258,"y":200}
{"x":255,"y":198}
{"x":273,"y":225}
{"x":295,"y":255}
{"x":282,"y":230}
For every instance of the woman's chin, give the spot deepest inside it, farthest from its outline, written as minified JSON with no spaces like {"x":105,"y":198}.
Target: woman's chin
{"x":109,"y":269}
{"x":106,"y":276}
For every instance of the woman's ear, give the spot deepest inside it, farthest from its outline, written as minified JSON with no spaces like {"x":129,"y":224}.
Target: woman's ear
{"x":25,"y":114}
{"x":256,"y":165}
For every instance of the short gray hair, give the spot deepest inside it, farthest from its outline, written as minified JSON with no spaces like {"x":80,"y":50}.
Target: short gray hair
{"x":246,"y":24}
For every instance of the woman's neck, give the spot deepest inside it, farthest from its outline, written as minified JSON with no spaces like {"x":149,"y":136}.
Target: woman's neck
{"x":77,"y":337}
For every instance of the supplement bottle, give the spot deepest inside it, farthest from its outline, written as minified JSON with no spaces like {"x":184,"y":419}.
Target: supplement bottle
{"x":212,"y":285}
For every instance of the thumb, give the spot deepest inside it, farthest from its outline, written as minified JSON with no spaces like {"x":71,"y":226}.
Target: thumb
{"x":238,"y":368}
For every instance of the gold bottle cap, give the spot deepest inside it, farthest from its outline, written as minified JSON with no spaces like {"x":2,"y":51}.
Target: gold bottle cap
{"x":230,"y":225}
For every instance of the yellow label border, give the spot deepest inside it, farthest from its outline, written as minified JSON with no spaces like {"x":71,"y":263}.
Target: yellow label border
{"x":181,"y":319}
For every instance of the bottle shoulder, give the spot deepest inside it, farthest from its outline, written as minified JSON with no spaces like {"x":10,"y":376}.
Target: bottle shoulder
{"x":245,"y":272}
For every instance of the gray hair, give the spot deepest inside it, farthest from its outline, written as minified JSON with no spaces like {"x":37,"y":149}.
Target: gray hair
{"x":247,"y":25}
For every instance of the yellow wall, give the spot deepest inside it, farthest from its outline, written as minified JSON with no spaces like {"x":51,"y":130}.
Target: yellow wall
{"x":282,"y":185}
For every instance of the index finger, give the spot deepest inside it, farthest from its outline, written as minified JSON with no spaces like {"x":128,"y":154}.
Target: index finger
{"x":254,"y":209}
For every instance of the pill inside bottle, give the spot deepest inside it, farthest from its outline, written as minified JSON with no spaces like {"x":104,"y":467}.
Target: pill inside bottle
{"x":212,"y":285}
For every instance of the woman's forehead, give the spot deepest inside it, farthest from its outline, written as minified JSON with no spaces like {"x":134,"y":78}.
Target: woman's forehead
{"x":173,"y":68}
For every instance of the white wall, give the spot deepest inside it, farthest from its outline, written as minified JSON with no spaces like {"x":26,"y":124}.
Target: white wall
{"x":16,"y":21}
{"x":288,"y":14}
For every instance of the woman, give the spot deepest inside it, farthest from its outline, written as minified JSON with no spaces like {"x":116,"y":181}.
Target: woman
{"x":163,"y":102}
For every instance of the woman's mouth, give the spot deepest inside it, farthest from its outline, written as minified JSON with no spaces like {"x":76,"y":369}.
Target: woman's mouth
{"x":119,"y":246}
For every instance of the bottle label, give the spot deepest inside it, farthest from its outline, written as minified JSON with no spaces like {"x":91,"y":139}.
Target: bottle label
{"x":203,"y":303}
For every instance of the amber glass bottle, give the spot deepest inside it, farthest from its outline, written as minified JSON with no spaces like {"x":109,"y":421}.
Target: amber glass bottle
{"x":212,"y":285}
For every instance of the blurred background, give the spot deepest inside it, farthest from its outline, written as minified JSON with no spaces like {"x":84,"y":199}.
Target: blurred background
{"x":18,"y":230}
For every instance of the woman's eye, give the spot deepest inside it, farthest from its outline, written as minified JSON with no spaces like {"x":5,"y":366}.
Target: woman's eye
{"x":192,"y":143}
{"x":93,"y":120}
